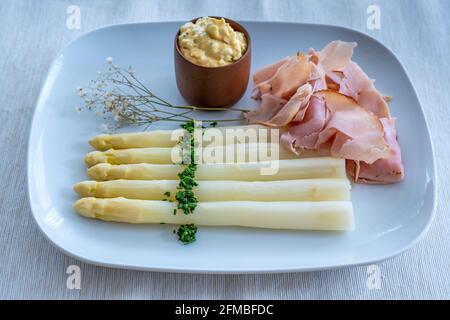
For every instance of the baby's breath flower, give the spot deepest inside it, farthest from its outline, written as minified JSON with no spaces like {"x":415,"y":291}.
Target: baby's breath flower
{"x":81,"y":92}
{"x":108,"y":104}
{"x":118,"y":96}
{"x":104,"y":128}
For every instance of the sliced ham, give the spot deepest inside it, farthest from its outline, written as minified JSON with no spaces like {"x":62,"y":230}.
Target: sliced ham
{"x":295,"y":107}
{"x":318,"y":85}
{"x":354,"y":132}
{"x":336,"y":55}
{"x":303,"y":134}
{"x":375,"y":102}
{"x":325,"y":104}
{"x":356,"y":84}
{"x":333,"y":58}
{"x":333,"y":79}
{"x":268,"y":72}
{"x":279,"y":116}
{"x":318,"y":74}
{"x":269,"y":107}
{"x":353,"y":81}
{"x":287,"y":79}
{"x":382,"y":171}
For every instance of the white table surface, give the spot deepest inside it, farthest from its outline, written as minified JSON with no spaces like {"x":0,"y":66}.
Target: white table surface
{"x":31,"y":34}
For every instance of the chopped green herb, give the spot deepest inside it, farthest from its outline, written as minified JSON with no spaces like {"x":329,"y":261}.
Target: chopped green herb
{"x":187,"y":233}
{"x":167,"y":196}
{"x":185,"y":196}
{"x":187,"y":201}
{"x":188,"y":126}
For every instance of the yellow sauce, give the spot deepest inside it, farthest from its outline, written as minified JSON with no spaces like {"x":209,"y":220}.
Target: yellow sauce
{"x":211,"y":42}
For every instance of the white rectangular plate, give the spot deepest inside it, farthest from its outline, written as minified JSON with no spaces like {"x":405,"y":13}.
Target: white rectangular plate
{"x":389,"y":219}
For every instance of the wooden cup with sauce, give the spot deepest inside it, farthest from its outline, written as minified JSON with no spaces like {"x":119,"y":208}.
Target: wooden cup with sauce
{"x":213,"y":86}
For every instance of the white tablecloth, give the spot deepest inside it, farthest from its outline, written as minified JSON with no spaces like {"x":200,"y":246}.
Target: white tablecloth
{"x":32,"y":32}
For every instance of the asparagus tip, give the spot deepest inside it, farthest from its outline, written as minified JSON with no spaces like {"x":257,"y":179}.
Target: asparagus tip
{"x":85,"y":207}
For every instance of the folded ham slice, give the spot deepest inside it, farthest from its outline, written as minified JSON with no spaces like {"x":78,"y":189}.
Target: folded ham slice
{"x":293,"y":108}
{"x":272,"y":113}
{"x":336,"y":55}
{"x":336,"y":124}
{"x":354,"y":132}
{"x":382,"y":171}
{"x":268,"y":72}
{"x":269,"y":107}
{"x":318,"y":74}
{"x":289,"y":76}
{"x":302,"y":134}
{"x":356,"y":84}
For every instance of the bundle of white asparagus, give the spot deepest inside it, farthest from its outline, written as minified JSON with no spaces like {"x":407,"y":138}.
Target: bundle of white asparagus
{"x":134,"y":180}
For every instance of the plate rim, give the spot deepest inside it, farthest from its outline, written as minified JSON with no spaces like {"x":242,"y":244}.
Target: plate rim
{"x":199,"y":270}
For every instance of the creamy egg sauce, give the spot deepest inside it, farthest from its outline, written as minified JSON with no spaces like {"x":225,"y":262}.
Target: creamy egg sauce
{"x":211,"y":42}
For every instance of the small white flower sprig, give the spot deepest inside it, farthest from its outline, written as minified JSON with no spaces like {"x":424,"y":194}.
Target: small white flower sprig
{"x":118,"y":95}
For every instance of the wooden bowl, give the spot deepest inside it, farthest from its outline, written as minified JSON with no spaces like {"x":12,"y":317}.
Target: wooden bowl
{"x":213,"y":86}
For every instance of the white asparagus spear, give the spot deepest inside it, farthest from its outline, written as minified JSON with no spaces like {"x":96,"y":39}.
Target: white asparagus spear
{"x":206,"y":191}
{"x":322,"y":215}
{"x":218,"y":154}
{"x":150,"y":139}
{"x":293,"y":169}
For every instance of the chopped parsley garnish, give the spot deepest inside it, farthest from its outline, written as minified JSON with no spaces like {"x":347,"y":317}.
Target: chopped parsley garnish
{"x":187,"y":233}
